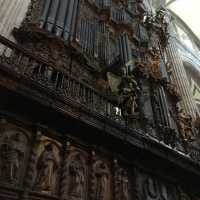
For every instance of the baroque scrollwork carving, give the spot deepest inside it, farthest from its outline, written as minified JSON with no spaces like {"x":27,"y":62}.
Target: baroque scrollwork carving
{"x":33,"y":13}
{"x":173,"y":92}
{"x":154,"y":190}
{"x":159,"y":23}
{"x":154,"y":69}
{"x":186,"y":125}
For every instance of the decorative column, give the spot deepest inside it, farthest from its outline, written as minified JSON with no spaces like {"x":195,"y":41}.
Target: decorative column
{"x":180,"y":79}
{"x":11,"y":15}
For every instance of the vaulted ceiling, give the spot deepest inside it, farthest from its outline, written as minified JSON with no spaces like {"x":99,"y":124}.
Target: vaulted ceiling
{"x":188,"y":11}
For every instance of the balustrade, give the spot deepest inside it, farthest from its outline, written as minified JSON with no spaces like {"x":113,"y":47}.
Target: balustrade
{"x":36,"y":69}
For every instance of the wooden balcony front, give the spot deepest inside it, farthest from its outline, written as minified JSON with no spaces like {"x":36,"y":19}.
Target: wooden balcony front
{"x":30,"y":75}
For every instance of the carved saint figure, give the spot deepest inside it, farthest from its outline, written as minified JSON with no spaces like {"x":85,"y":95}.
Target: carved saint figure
{"x":102,"y":180}
{"x":128,"y":92}
{"x":77,"y":180}
{"x":11,"y":157}
{"x":155,"y":64}
{"x":122,"y":184}
{"x":47,"y":167}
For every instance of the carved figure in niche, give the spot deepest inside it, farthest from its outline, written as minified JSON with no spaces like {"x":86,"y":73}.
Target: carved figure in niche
{"x":155,"y":64}
{"x":122,"y":184}
{"x":11,"y":157}
{"x":77,"y":180}
{"x":128,"y":91}
{"x":47,"y":168}
{"x":185,"y":124}
{"x":163,"y":18}
{"x":102,"y":181}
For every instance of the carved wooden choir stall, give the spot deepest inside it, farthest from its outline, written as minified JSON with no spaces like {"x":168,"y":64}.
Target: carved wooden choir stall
{"x":88,"y":109}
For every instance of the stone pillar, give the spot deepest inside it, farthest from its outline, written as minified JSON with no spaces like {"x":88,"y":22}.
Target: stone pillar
{"x":12,"y":13}
{"x":179,"y":78}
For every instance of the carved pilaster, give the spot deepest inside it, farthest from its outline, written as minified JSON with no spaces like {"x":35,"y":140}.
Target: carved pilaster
{"x":64,"y":175}
{"x":30,"y":173}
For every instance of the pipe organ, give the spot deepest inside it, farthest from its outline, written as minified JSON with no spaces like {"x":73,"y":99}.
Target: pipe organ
{"x":64,"y":19}
{"x":59,"y":17}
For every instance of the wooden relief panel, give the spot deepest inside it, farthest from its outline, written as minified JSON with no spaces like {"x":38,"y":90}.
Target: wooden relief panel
{"x":76,"y":171}
{"x":100,"y":181}
{"x":48,"y":166}
{"x":77,"y":175}
{"x":122,"y":183}
{"x":14,"y":150}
